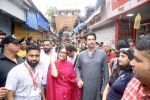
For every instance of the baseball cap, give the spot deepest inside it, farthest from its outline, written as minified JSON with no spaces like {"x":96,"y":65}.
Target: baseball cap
{"x":10,"y":39}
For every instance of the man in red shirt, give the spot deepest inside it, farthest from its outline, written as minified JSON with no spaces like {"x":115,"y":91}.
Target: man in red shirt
{"x":106,"y":47}
{"x":139,"y":87}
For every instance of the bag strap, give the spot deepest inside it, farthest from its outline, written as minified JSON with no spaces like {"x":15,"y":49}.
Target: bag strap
{"x":75,"y":61}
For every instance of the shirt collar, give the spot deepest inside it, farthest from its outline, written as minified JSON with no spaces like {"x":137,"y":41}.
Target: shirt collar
{"x":2,"y":56}
{"x":95,"y":49}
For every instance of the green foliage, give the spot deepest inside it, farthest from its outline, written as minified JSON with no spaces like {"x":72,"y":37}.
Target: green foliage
{"x":50,"y":12}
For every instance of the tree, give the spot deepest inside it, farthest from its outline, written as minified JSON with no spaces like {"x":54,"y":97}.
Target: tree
{"x":50,"y":13}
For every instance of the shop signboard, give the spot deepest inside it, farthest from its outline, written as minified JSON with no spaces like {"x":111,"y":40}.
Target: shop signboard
{"x":118,"y":3}
{"x":116,"y":7}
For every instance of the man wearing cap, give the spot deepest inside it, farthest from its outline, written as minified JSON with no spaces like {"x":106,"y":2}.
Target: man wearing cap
{"x":8,"y":57}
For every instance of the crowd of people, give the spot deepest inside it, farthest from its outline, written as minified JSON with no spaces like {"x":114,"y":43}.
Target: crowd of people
{"x":33,"y":71}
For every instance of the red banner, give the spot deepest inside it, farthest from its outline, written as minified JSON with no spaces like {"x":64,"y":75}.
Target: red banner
{"x":118,"y":3}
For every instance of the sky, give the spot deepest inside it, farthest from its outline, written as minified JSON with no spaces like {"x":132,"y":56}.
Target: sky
{"x":42,"y":5}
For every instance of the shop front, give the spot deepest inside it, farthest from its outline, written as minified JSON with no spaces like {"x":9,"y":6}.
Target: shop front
{"x":5,"y":24}
{"x":36,"y":26}
{"x":124,"y":13}
{"x":22,"y":31}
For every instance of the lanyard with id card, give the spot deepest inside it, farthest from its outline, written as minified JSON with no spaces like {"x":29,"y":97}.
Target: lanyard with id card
{"x":34,"y":79}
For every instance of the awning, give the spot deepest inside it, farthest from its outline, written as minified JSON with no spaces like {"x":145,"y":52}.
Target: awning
{"x":42,"y":22}
{"x":93,"y":14}
{"x":32,"y":19}
{"x":79,"y":27}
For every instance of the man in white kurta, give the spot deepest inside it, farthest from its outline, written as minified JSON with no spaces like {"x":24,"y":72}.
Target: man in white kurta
{"x":46,"y":57}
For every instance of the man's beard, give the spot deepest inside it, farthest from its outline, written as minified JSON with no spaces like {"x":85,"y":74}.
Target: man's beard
{"x":47,"y":50}
{"x":32,"y":64}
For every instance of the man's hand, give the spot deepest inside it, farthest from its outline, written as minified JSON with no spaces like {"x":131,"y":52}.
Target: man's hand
{"x":80,"y":84}
{"x":3,"y":92}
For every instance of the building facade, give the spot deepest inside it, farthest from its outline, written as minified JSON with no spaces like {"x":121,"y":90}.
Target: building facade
{"x":66,"y":18}
{"x":21,"y":18}
{"x":115,"y":20}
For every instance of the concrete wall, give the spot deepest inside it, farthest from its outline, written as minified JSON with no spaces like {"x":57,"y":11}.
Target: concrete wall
{"x":11,"y":8}
{"x":105,"y":33}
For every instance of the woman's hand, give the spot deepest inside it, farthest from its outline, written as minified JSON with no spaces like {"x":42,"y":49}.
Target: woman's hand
{"x":54,"y":72}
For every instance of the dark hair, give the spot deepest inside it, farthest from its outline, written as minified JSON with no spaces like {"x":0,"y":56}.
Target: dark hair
{"x":71,"y":48}
{"x":48,"y":40}
{"x":22,"y":40}
{"x":118,"y":70}
{"x":143,"y":44}
{"x":97,"y":43}
{"x":29,"y":41}
{"x":2,"y":33}
{"x":130,"y":40}
{"x":129,"y":53}
{"x":60,"y":48}
{"x":32,"y":47}
{"x":122,"y":44}
{"x":91,"y":33}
